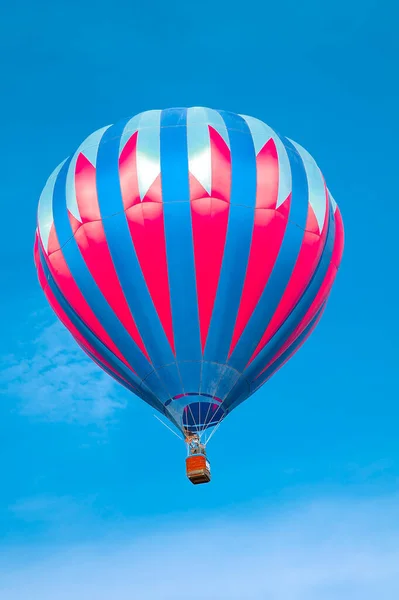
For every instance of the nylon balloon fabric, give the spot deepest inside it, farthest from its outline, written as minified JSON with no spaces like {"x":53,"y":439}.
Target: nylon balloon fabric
{"x":190,"y":253}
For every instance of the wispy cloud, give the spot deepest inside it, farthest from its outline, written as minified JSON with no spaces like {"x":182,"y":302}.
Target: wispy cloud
{"x":56,"y":511}
{"x":322,"y":551}
{"x":53,"y":379}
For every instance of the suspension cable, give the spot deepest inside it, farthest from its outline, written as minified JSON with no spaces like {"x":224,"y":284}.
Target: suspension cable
{"x":167,"y":427}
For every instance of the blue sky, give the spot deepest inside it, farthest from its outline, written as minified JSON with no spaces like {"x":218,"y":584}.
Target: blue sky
{"x":306,"y":507}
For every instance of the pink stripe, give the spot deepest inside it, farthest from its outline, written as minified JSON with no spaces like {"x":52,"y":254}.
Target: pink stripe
{"x":154,"y":193}
{"x":267,"y":237}
{"x":146,"y":225}
{"x":209,"y":215}
{"x":64,"y":318}
{"x":64,"y":280}
{"x":323,"y":291}
{"x":102,"y":363}
{"x":147,"y":230}
{"x":312,"y":225}
{"x":197,"y":191}
{"x":36,"y":258}
{"x":75,"y":224}
{"x":308,"y":259}
{"x":221,"y":167}
{"x":339,"y":238}
{"x":93,"y":246}
{"x":209,"y":221}
{"x":267,"y":176}
{"x":86,"y":190}
{"x":128,"y":173}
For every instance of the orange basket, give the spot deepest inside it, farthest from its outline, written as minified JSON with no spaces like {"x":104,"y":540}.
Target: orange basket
{"x":198,"y":469}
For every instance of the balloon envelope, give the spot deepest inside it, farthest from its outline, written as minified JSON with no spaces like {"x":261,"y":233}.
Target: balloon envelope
{"x":190,"y":253}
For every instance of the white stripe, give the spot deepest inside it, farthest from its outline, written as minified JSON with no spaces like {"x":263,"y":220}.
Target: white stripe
{"x":45,"y":217}
{"x":200,"y":115}
{"x":317,"y":192}
{"x":148,"y":150}
{"x":90,"y":150}
{"x":199,"y":151}
{"x":130,"y":128}
{"x":90,"y":146}
{"x":261,"y":134}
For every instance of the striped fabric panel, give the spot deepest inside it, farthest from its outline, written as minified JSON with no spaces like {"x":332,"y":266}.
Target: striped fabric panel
{"x":190,"y":252}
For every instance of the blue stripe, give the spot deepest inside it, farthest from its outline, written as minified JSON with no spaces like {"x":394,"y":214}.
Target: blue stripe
{"x":300,"y":310}
{"x":94,"y":342}
{"x":179,"y":236}
{"x":122,"y":250}
{"x":227,"y":383}
{"x":283,"y":268}
{"x":211,"y":376}
{"x":289,"y":325}
{"x":244,"y":390}
{"x":86,"y":283}
{"x":152,"y":381}
{"x":169,"y":374}
{"x":128,"y":386}
{"x":190,"y":372}
{"x":238,"y":239}
{"x":290,"y":350}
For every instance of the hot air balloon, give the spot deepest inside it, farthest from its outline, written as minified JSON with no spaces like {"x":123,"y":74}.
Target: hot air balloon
{"x":190,"y":253}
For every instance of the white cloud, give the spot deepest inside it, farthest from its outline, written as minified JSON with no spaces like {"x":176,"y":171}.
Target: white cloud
{"x":322,"y":551}
{"x":52,"y":378}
